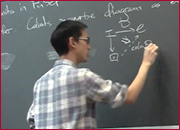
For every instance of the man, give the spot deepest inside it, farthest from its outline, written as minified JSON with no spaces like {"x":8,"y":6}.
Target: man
{"x":64,"y":97}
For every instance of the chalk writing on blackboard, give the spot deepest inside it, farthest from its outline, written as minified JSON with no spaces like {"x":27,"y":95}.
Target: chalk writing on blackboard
{"x":36,"y":23}
{"x":44,"y":4}
{"x":174,"y":2}
{"x":85,"y":16}
{"x":156,"y":5}
{"x":52,"y":55}
{"x":22,"y":7}
{"x":125,"y":40}
{"x":125,"y":28}
{"x":7,"y":11}
{"x":6,"y":60}
{"x":114,"y":57}
{"x":6,"y":30}
{"x":112,"y":11}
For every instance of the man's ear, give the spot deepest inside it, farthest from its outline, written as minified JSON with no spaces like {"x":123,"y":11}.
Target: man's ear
{"x":72,"y":42}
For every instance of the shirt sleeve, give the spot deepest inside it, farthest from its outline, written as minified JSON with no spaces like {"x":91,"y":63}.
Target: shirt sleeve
{"x":30,"y":116}
{"x":106,"y":91}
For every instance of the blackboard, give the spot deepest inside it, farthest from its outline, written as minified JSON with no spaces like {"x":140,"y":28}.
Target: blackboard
{"x":119,"y":30}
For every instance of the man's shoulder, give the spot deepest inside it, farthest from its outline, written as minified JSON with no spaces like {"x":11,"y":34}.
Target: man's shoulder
{"x":83,"y":69}
{"x":80,"y":71}
{"x":45,"y":76}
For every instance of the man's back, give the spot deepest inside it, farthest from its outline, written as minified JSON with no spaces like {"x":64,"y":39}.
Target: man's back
{"x":64,"y":97}
{"x":60,"y":99}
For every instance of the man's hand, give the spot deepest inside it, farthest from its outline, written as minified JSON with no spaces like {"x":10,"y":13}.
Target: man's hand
{"x":150,"y":54}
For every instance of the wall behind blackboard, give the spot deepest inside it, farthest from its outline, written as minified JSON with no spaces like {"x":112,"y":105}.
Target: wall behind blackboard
{"x":118,"y":30}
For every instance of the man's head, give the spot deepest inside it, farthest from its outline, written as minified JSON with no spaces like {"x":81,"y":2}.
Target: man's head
{"x":71,"y":39}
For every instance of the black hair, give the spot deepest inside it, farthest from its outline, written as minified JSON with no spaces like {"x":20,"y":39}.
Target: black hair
{"x":62,"y":33}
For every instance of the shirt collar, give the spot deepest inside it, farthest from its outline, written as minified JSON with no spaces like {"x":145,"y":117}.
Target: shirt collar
{"x":64,"y":62}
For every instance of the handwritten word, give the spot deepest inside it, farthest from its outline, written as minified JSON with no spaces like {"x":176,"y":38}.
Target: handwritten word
{"x":34,"y":23}
{"x":43,"y":4}
{"x":156,"y":5}
{"x":174,"y":2}
{"x":5,"y":30}
{"x":111,"y":11}
{"x":7,"y":11}
{"x":82,"y":17}
{"x":139,"y":46}
{"x":22,"y":8}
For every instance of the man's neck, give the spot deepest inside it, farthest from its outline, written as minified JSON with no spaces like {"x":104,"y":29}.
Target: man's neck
{"x":71,"y":58}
